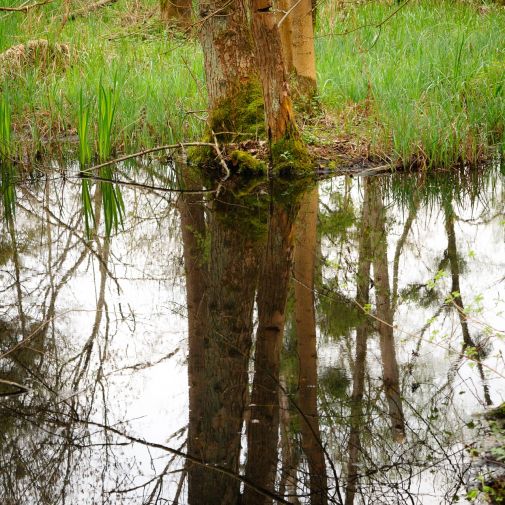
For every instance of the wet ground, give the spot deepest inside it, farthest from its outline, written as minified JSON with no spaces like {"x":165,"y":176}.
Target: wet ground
{"x":299,"y":343}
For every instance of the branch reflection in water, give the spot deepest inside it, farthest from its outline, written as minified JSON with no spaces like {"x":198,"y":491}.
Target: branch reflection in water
{"x":329,"y":355}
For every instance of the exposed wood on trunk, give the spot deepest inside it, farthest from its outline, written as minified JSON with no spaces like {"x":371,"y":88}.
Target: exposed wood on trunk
{"x":268,"y":50}
{"x":391,"y":376}
{"x":297,"y":34}
{"x":263,"y":428}
{"x":305,"y":325}
{"x":358,"y":375}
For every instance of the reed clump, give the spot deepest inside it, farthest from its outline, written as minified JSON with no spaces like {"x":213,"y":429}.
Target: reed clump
{"x":113,"y":207}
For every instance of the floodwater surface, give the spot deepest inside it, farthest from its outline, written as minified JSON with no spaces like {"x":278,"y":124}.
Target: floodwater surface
{"x":331,"y":343}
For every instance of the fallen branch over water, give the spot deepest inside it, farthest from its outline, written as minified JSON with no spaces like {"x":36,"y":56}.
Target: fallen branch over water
{"x":180,"y":145}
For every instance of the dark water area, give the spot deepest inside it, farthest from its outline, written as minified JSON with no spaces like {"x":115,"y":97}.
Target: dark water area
{"x":297,"y":343}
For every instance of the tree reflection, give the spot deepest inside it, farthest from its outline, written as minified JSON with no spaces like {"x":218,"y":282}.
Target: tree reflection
{"x":312,"y":320}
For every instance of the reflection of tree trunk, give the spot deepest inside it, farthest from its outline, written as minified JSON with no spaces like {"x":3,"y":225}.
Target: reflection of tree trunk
{"x":452,"y":253}
{"x":263,"y":429}
{"x":221,"y":342}
{"x":399,"y":246}
{"x":358,"y":376}
{"x":17,"y":272}
{"x":391,"y":375}
{"x":305,"y":324}
{"x":290,"y":459}
{"x":193,"y":236}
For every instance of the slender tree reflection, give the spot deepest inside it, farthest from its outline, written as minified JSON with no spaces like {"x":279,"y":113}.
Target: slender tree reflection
{"x":305,"y":327}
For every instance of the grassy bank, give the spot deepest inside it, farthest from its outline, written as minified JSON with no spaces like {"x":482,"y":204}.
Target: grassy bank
{"x":428,"y":85}
{"x":158,"y":76}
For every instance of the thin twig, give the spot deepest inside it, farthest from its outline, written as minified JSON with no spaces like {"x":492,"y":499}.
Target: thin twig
{"x":287,"y":13}
{"x":26,"y":8}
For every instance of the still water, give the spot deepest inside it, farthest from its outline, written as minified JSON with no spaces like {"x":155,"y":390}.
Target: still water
{"x":338,"y":343}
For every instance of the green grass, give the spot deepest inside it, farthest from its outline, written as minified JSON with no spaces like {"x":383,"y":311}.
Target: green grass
{"x":428,"y":87}
{"x":5,"y":129}
{"x":7,"y":169}
{"x":154,"y":72}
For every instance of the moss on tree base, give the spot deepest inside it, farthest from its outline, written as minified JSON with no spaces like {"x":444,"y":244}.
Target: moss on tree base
{"x":240,"y":114}
{"x":290,"y":157}
{"x":245,"y":163}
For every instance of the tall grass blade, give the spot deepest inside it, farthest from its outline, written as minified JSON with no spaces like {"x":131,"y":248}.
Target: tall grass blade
{"x":7,"y":169}
{"x":5,"y":129}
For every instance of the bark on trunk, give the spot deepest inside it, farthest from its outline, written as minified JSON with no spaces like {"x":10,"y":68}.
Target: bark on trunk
{"x":227,"y":49}
{"x":305,"y":325}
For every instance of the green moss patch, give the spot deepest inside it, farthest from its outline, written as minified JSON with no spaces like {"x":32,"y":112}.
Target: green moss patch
{"x":245,"y":163}
{"x":290,"y":157}
{"x":241,"y":114}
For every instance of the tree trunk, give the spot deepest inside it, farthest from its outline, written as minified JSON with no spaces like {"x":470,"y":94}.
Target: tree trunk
{"x":268,"y":50}
{"x":305,"y":324}
{"x":297,"y":34}
{"x":230,"y":68}
{"x":263,"y":428}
